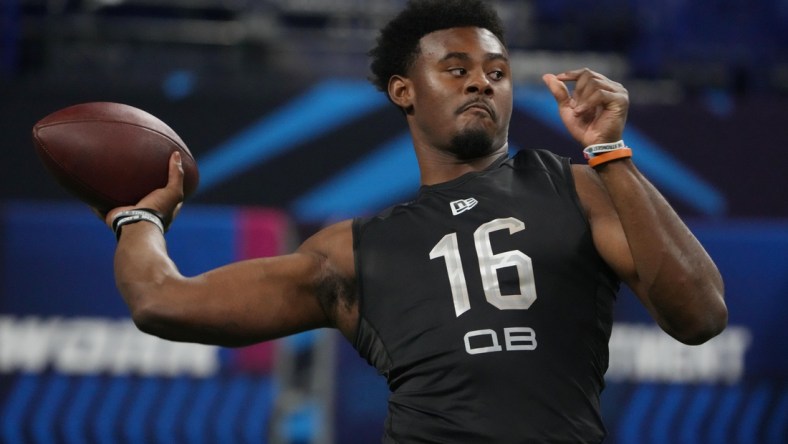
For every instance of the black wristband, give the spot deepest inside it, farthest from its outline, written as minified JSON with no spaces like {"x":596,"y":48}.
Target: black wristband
{"x":134,"y":216}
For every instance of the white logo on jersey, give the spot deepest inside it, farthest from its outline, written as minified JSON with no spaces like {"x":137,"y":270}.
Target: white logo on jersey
{"x":463,"y":205}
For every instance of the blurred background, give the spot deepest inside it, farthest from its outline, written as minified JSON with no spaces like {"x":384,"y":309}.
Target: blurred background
{"x":271,"y":98}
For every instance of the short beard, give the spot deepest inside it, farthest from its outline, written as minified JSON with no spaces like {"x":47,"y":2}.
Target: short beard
{"x":471,"y":144}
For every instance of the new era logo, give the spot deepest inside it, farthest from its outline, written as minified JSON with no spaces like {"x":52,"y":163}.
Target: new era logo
{"x":463,"y":205}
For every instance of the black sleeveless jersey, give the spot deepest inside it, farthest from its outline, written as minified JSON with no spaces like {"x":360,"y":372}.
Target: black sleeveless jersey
{"x":487,"y":308}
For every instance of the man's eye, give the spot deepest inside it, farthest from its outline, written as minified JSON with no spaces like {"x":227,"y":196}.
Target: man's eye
{"x":458,"y":71}
{"x":496,"y":75}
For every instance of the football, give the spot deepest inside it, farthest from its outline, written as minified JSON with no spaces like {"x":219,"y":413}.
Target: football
{"x":110,"y":154}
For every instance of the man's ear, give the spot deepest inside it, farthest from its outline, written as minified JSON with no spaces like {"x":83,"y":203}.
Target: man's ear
{"x":401,"y":92}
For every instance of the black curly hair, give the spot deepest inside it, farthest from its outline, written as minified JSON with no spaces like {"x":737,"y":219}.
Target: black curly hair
{"x":398,"y":42}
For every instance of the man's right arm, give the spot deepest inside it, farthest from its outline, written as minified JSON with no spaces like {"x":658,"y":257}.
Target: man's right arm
{"x":237,"y":304}
{"x":234,"y":305}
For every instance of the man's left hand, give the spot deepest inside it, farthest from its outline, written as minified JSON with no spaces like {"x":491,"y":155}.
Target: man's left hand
{"x":596,"y":109}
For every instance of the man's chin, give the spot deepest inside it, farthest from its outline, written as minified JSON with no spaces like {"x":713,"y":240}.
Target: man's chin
{"x":472,"y":144}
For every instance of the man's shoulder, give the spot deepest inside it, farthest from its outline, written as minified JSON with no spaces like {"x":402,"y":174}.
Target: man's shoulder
{"x":539,"y":158}
{"x":334,"y":244}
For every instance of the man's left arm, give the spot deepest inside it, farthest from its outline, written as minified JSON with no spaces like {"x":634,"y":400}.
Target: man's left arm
{"x":634,"y":227}
{"x":643,"y":239}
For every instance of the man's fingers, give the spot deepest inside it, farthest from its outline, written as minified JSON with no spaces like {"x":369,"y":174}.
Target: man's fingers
{"x":557,"y":88}
{"x":175,"y":177}
{"x":593,"y":107}
{"x":592,"y":90}
{"x":570,"y":76}
{"x":577,"y":75}
{"x":160,"y":199}
{"x":600,"y":98}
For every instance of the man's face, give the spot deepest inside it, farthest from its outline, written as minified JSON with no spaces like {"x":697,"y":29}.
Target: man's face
{"x":462,"y":92}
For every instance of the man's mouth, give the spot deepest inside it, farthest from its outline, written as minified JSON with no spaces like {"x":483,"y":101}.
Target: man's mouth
{"x":477,"y":106}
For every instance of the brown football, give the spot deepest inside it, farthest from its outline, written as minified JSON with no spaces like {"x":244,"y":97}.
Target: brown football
{"x":110,"y":154}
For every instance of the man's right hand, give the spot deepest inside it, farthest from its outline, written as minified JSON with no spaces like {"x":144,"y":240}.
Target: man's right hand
{"x":166,"y":201}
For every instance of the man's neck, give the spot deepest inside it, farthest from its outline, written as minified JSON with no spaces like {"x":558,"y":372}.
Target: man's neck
{"x":440,"y":166}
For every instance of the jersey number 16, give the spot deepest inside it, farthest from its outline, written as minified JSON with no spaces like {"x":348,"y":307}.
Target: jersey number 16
{"x":489,"y":264}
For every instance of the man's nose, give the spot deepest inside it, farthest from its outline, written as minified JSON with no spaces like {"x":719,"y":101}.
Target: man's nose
{"x":479,"y":83}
